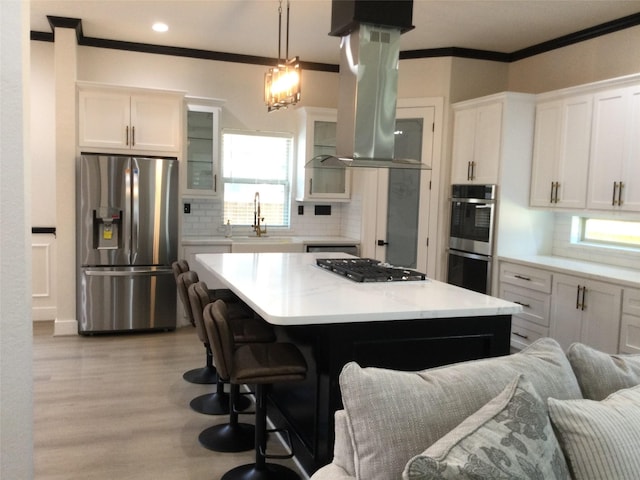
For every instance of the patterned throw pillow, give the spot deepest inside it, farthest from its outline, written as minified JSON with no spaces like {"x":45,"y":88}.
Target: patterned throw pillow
{"x":510,"y":437}
{"x":601,"y":440}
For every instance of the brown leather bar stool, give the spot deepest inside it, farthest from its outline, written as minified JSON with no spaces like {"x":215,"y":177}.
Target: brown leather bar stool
{"x":206,"y":374}
{"x":217,"y":403}
{"x":201,"y":375}
{"x":231,"y":437}
{"x":262,"y":365}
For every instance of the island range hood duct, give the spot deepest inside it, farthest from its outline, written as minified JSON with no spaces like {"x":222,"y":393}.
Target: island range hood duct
{"x":368,"y":83}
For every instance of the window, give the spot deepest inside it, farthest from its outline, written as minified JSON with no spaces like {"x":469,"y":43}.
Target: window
{"x":257,"y":162}
{"x":620,"y":233}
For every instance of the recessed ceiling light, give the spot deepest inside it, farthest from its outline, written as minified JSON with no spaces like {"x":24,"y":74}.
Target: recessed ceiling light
{"x":160,"y":27}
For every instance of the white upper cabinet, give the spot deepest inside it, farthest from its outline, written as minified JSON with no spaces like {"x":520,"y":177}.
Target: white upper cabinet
{"x":614,"y":180}
{"x":201,"y":166}
{"x":561,"y":152}
{"x":112,"y":119}
{"x":477,"y":135}
{"x":319,"y":179}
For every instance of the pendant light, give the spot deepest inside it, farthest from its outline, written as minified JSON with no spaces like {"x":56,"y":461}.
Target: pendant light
{"x":282,"y":82}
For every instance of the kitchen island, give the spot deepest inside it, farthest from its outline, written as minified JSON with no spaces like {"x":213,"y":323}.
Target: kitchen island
{"x":408,"y":325}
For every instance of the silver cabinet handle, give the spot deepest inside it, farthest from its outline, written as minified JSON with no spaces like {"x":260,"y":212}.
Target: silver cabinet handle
{"x":578,"y":297}
{"x":215,"y":182}
{"x":126,"y":134}
{"x":473,"y":169}
{"x":584,"y":293}
{"x":525,"y":305}
{"x":311,"y":186}
{"x":615,"y":188}
{"x":133,"y":136}
{"x":522,"y":277}
{"x":468,"y":170}
{"x":553,"y":184}
{"x":520,"y":335}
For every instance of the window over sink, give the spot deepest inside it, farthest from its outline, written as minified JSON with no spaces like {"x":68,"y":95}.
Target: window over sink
{"x":257,"y":162}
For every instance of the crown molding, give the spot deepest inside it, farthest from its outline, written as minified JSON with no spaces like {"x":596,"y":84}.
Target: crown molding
{"x":560,"y":42}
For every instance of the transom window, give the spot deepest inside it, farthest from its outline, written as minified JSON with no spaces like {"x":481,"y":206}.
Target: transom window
{"x":620,"y":233}
{"x":257,"y":162}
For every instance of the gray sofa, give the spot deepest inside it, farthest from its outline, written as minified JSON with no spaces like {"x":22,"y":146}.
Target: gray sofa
{"x":539,"y":413}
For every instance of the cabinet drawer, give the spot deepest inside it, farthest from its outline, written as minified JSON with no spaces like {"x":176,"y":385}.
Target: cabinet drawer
{"x":524,"y":333}
{"x":535,"y":304}
{"x":629,"y":334}
{"x":631,"y":301}
{"x":527,"y":277}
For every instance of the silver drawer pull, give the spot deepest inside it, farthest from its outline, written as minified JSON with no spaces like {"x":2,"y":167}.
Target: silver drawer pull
{"x":526,"y":337}
{"x":522,"y":277}
{"x":526,"y":305}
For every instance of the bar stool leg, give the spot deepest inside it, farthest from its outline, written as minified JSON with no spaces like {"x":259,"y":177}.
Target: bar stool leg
{"x":229,"y":437}
{"x":261,"y":470}
{"x":203,"y":375}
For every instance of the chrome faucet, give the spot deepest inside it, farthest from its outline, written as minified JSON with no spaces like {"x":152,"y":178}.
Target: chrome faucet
{"x":257,"y":219}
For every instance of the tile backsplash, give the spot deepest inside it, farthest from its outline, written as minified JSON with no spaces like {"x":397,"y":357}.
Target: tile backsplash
{"x":206,"y":220}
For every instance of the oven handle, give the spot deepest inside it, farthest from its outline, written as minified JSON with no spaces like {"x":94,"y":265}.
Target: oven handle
{"x":473,"y":256}
{"x":472,"y":200}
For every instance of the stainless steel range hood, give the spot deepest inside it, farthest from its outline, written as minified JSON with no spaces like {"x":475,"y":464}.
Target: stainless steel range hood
{"x":368,"y":85}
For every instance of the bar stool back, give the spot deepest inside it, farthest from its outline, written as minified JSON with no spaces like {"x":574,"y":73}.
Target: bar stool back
{"x":261,"y":364}
{"x":201,"y":375}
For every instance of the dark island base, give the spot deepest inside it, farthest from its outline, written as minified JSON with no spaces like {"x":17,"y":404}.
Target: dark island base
{"x":307,"y":408}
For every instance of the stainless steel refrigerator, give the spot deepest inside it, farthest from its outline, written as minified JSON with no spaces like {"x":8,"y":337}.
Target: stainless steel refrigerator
{"x":127,"y":238}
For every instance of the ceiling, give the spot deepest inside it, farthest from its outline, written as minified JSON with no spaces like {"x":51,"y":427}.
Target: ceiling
{"x":250,"y":27}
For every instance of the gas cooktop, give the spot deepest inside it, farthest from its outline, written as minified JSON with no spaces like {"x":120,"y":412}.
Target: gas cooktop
{"x":368,"y":270}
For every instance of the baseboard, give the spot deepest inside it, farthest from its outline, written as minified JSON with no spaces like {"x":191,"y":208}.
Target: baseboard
{"x":65,"y":327}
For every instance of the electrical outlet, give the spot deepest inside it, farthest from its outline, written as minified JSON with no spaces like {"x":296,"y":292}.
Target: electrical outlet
{"x":300,"y":209}
{"x":187,"y":208}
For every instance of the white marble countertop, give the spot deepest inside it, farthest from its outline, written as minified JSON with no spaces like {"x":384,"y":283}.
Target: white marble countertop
{"x":594,"y":271}
{"x":290,"y":289}
{"x":275,"y":238}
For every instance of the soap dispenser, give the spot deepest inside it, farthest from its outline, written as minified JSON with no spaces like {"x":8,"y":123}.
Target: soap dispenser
{"x":228,"y":229}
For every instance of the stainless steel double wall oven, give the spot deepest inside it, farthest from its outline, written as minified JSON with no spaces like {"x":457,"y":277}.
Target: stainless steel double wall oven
{"x":471,"y":236}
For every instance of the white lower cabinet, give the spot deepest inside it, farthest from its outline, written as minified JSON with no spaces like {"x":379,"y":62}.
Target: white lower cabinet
{"x":585,"y":311}
{"x":630,"y":321}
{"x":570,"y":308}
{"x":530,"y":288}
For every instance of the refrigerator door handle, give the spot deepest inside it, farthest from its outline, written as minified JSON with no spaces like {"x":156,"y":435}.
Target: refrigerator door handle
{"x":128,"y":273}
{"x":135,"y":206}
{"x":127,"y":218}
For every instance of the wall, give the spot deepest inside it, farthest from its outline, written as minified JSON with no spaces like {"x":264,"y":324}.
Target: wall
{"x":16,"y":387}
{"x":608,"y":56}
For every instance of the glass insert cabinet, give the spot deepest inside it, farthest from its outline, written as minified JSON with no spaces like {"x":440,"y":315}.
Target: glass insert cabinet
{"x":320,"y":177}
{"x":201,"y":177}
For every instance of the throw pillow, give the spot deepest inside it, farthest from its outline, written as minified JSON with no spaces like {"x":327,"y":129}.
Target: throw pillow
{"x":510,"y":437}
{"x":394,"y":415}
{"x":601,"y":374}
{"x":600,"y":440}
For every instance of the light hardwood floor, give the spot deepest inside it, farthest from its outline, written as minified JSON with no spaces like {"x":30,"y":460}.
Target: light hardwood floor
{"x":117,"y":407}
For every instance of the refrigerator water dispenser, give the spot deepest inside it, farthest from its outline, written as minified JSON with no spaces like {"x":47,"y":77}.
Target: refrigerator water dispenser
{"x":107,"y":223}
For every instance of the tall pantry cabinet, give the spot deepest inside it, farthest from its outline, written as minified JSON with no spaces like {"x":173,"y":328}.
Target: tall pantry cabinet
{"x":492,"y":144}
